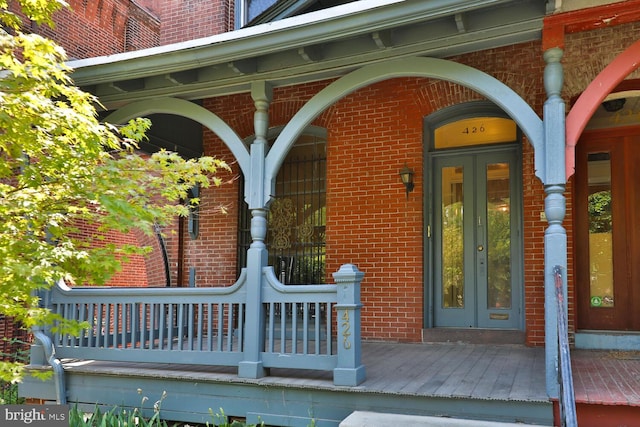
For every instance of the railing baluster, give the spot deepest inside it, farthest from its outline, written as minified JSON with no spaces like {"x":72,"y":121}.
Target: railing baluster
{"x":99,"y":326}
{"x":241,"y":311}
{"x":125,"y":322}
{"x":283,"y":327}
{"x":87,"y":335}
{"x":133,"y":323}
{"x":75,"y":316}
{"x":143,"y":325}
{"x":220,"y":327}
{"x":328,"y":313}
{"x":230,"y":327}
{"x":209,"y":326}
{"x":180,"y":333}
{"x":162,"y":326}
{"x":170,"y":327}
{"x":190,"y":321}
{"x":152,"y":325}
{"x":316,"y":323}
{"x":294,"y":327}
{"x":199,"y":328}
{"x":270,"y":331}
{"x":110,"y":328}
{"x":305,"y":328}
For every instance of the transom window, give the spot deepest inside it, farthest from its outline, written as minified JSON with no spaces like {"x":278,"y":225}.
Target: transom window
{"x":475,"y":131}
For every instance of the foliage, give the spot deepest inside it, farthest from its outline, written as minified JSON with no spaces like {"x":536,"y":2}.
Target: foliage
{"x":60,"y":167}
{"x":221,"y":420}
{"x":118,"y":417}
{"x":121,"y":417}
{"x":600,"y":212}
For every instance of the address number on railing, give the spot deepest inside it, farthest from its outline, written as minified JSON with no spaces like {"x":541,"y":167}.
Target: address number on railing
{"x":346,"y":330}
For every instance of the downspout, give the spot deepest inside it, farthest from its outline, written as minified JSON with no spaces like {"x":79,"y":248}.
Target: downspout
{"x":165,"y":255}
{"x":56,"y":365}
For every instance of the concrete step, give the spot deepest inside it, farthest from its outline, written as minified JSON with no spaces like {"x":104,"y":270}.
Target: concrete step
{"x":379,"y":419}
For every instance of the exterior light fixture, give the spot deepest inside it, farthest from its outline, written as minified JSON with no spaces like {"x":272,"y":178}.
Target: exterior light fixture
{"x":406,"y":176}
{"x":614,"y":105}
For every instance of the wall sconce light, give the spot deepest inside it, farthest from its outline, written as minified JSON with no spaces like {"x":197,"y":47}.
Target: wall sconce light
{"x":406,"y":176}
{"x":614,"y":105}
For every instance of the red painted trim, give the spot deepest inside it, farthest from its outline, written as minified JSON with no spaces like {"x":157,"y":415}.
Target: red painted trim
{"x":592,"y":97}
{"x":556,"y":26}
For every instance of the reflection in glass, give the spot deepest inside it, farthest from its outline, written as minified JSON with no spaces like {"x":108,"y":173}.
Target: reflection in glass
{"x":452,"y":238}
{"x":600,"y":230}
{"x":498,"y":236}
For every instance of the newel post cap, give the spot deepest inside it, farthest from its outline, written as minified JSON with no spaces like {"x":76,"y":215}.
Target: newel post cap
{"x":348,"y":273}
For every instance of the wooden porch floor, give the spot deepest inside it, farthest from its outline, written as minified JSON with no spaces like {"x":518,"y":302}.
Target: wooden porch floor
{"x":606,"y":377}
{"x":476,"y":381}
{"x":496,"y":372}
{"x":472,"y":381}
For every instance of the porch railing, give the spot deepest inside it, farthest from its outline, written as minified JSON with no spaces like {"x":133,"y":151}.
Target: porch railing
{"x":566,"y":401}
{"x":208,"y":326}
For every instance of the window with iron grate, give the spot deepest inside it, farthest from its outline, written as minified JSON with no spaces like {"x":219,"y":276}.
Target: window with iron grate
{"x":297,"y":215}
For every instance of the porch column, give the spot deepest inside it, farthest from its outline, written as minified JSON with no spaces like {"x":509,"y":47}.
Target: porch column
{"x":252,"y":366}
{"x":555,"y":238}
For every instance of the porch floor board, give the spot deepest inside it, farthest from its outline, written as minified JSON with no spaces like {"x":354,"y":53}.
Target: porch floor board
{"x":487,"y":372}
{"x":606,"y":377}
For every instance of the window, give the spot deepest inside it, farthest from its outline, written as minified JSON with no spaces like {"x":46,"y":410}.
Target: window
{"x":248,"y":10}
{"x":297,"y":215}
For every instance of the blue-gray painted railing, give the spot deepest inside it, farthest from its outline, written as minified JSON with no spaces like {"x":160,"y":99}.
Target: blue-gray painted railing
{"x":566,"y":400}
{"x":305,"y":326}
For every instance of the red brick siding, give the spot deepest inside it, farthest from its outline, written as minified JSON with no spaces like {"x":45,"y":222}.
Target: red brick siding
{"x":370,"y":222}
{"x":184,"y":20}
{"x":100,"y":27}
{"x":138,"y":270}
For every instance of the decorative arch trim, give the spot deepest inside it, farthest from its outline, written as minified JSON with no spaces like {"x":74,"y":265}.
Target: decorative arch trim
{"x":191,"y":111}
{"x":587,"y":103}
{"x":441,"y":69}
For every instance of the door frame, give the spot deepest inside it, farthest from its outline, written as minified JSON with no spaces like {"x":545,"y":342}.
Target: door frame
{"x":430,"y":123}
{"x":623,"y":265}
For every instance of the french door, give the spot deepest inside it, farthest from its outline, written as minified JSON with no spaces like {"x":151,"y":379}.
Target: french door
{"x":476,"y":240}
{"x":607,"y":230}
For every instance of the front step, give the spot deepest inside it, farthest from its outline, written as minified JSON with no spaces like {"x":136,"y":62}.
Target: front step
{"x":378,"y":419}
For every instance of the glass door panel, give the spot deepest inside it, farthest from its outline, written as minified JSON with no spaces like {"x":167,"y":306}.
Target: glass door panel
{"x":475,"y":241}
{"x":452,"y":237}
{"x":498,"y":236}
{"x":600,"y":221}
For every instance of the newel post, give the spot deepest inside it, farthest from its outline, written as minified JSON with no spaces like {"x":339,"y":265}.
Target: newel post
{"x":349,"y":371}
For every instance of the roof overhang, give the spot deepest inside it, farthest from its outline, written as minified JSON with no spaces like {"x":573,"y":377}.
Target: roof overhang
{"x":310,"y":47}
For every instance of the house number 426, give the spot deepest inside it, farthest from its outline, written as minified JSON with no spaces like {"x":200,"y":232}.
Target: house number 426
{"x":346,"y":330}
{"x":473,"y":129}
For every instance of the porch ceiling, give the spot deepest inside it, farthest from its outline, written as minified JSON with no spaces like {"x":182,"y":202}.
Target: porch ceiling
{"x":310,"y":47}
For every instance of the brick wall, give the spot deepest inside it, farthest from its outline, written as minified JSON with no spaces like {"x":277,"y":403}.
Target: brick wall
{"x":138,"y":270}
{"x":101,"y":27}
{"x":184,"y":20}
{"x":370,"y":222}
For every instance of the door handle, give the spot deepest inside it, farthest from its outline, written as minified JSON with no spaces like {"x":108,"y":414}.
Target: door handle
{"x":480,"y":248}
